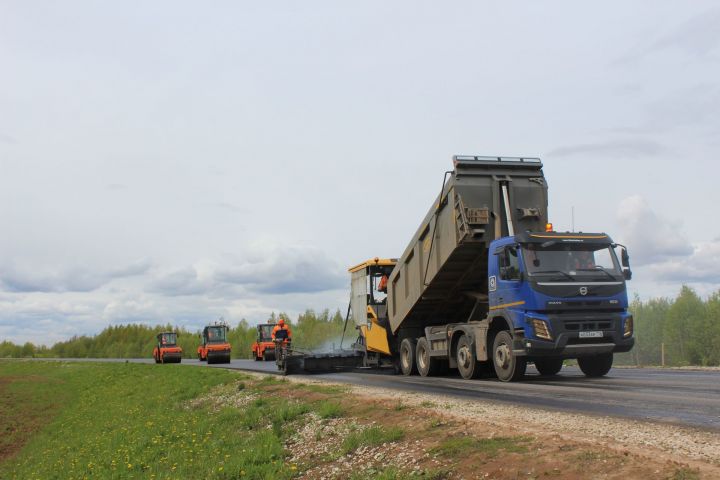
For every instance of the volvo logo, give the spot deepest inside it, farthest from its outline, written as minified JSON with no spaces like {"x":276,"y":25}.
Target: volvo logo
{"x":583,"y":291}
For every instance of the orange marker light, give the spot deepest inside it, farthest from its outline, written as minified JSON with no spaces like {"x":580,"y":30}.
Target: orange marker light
{"x":548,"y":227}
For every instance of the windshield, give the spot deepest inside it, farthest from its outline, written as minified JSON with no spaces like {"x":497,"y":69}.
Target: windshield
{"x":596,"y":261}
{"x":168,"y":339}
{"x":266,"y":332}
{"x":216,"y":334}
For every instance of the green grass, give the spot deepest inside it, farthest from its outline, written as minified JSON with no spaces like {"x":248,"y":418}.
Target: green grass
{"x":330,"y":409}
{"x":685,"y":474}
{"x":371,"y":436}
{"x":125,"y":421}
{"x":457,"y":446}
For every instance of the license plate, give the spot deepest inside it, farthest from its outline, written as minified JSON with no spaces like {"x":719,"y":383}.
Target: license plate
{"x":591,"y":334}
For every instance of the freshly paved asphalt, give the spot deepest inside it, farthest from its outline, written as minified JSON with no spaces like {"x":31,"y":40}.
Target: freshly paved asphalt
{"x":682,"y":397}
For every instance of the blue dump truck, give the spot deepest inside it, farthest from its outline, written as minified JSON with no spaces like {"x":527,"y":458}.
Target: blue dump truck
{"x":486,"y":286}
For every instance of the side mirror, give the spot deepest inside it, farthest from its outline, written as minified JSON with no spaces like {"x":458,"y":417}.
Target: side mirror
{"x":625,"y":258}
{"x":627,"y":273}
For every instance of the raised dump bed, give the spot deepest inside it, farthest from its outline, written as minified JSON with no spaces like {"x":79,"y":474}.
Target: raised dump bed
{"x":443,"y":272}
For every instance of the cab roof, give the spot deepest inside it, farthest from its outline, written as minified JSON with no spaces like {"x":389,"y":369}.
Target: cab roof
{"x":563,"y":237}
{"x":389,"y":262}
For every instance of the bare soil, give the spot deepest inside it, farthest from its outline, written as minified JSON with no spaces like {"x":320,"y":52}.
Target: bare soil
{"x":445,"y":438}
{"x":22,"y":412}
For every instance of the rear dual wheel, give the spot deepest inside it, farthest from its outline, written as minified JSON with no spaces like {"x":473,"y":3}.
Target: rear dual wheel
{"x":407,"y":357}
{"x":466,"y":359}
{"x":426,"y":365}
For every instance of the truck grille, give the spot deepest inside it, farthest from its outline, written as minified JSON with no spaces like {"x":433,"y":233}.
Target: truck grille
{"x":579,"y":325}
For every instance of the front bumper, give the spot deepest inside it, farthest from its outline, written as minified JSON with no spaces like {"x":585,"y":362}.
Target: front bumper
{"x":566,"y":342}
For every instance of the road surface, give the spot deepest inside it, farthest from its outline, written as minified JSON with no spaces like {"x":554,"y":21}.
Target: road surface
{"x":682,"y":397}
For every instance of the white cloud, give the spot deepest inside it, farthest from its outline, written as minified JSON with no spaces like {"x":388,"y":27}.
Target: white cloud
{"x":649,"y":237}
{"x":74,"y":278}
{"x":269,"y":277}
{"x":701,"y":266}
{"x":193,"y":158}
{"x":663,"y":259}
{"x":276,"y":269}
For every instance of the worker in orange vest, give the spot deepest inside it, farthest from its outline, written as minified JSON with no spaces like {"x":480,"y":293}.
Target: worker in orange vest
{"x":281,"y":331}
{"x":383,"y":284}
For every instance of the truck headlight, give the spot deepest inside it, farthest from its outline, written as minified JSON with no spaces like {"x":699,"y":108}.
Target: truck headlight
{"x":541,"y":329}
{"x":628,"y":328}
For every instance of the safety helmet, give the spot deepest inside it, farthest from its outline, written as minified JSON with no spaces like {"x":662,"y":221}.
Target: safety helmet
{"x":281,"y":322}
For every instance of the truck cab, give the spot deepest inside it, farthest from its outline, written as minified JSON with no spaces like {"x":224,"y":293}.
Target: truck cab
{"x":564,"y":296}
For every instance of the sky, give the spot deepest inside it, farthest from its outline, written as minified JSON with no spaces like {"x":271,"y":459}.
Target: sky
{"x":175,"y":161}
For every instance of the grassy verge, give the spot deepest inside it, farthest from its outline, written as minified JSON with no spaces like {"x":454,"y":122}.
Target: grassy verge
{"x":134,"y":421}
{"x":123,"y":421}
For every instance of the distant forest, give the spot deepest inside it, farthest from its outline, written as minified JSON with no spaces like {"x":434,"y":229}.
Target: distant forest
{"x":687,"y":326}
{"x":310,"y":331}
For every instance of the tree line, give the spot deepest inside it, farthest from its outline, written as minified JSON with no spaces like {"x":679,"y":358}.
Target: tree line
{"x":311,"y":331}
{"x":687,"y":328}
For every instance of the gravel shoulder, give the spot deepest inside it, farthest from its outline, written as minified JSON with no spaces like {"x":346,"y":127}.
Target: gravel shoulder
{"x":660,"y":447}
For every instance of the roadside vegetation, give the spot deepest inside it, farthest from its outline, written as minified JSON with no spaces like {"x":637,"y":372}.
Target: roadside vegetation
{"x":132,"y":421}
{"x":688,"y":326}
{"x":70,"y":420}
{"x":311,"y":330}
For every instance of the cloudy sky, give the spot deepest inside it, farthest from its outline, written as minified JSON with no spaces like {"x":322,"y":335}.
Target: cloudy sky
{"x":176,"y":161}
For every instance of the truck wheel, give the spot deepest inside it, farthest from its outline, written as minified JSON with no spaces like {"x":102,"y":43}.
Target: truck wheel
{"x":407,"y":357}
{"x":548,"y":366}
{"x":466,"y":360}
{"x":426,"y":365}
{"x":508,"y":366}
{"x":596,"y":366}
{"x":255,"y":357}
{"x":265,"y":356}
